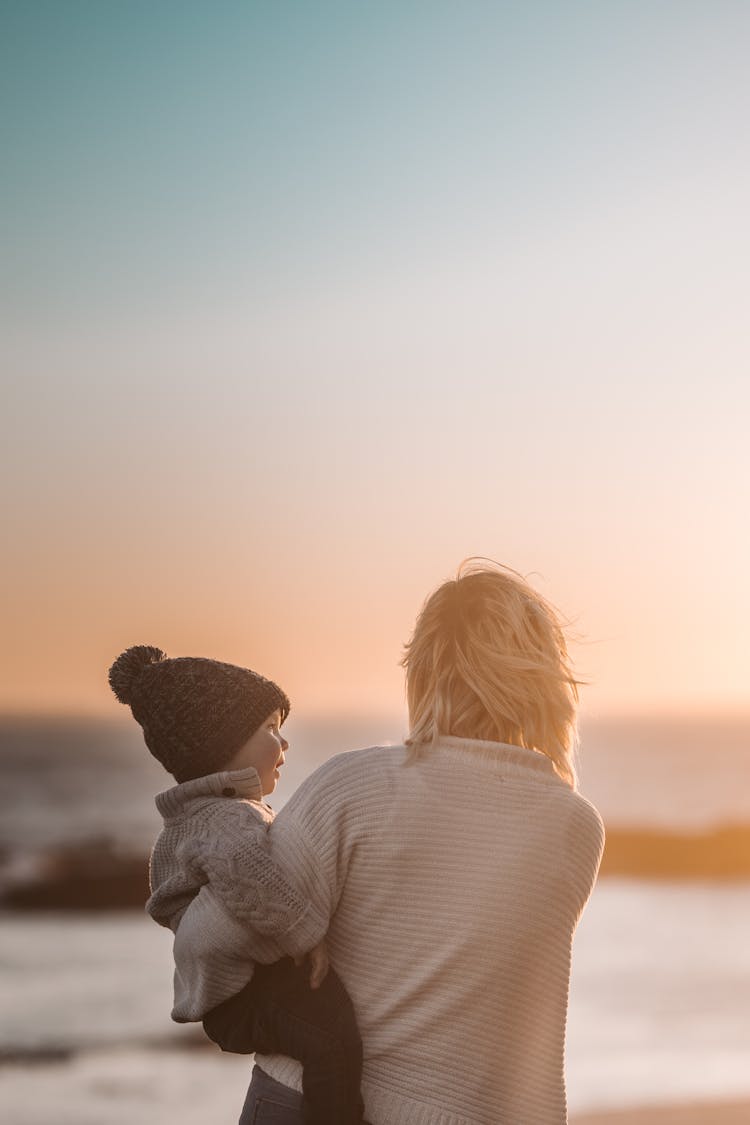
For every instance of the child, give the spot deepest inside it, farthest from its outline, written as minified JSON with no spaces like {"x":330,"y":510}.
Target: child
{"x":216,"y":728}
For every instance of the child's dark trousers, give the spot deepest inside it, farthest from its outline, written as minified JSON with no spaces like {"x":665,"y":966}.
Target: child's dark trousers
{"x":278,"y":1013}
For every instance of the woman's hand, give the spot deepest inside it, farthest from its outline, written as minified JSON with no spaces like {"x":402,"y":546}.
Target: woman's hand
{"x":318,"y":958}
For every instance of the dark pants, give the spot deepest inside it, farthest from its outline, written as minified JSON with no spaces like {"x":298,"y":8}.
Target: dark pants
{"x":269,"y":1102}
{"x":278,"y":1013}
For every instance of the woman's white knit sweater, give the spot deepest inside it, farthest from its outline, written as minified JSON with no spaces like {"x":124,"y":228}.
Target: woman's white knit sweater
{"x":453,"y":887}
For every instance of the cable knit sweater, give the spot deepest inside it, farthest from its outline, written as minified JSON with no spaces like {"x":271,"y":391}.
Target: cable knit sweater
{"x":451,"y":888}
{"x":214,"y":884}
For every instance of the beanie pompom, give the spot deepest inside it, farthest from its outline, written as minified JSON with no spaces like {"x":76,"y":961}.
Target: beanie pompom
{"x":127,"y":669}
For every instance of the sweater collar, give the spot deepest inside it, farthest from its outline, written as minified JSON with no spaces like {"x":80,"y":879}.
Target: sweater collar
{"x":228,"y":783}
{"x":513,"y":758}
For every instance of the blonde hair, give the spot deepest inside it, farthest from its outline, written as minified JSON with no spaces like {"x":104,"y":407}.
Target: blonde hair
{"x":488,"y":660}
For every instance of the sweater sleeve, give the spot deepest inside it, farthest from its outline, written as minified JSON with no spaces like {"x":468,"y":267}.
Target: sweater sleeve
{"x":249,"y":885}
{"x":243,"y":909}
{"x":315,"y":835}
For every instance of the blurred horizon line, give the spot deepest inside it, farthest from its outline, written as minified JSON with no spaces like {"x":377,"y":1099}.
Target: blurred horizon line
{"x":736,"y":711}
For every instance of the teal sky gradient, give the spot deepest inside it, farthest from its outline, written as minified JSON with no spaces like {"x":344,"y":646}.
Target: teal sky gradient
{"x":304,"y":302}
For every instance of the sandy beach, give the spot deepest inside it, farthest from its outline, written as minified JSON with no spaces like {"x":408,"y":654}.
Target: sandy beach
{"x":706,"y":1113}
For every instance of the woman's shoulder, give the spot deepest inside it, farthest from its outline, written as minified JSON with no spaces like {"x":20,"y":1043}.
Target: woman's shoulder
{"x":585,"y":841}
{"x":574,"y":813}
{"x":585,"y":813}
{"x":356,"y":778}
{"x":357,"y":765}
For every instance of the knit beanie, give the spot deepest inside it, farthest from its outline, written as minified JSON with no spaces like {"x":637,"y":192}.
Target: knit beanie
{"x":195,"y":713}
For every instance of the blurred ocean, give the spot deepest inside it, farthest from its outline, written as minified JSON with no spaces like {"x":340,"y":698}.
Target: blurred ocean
{"x":661,"y":985}
{"x":65,"y":780}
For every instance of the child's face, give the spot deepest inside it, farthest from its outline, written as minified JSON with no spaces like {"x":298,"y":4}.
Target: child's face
{"x":265,"y":750}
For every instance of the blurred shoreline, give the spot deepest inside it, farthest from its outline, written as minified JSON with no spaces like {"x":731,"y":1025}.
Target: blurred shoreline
{"x":96,"y":874}
{"x":703,"y":1113}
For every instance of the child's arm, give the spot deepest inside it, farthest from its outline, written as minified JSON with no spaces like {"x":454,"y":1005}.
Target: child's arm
{"x":249,"y":886}
{"x":243,"y":910}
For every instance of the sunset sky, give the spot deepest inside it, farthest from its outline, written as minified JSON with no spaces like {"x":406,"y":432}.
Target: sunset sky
{"x":305,"y":302}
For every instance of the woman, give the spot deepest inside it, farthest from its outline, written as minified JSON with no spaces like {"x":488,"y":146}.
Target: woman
{"x":450,"y":873}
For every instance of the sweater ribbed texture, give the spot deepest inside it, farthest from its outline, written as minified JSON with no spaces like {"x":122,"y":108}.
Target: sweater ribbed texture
{"x":214,"y":884}
{"x":453,"y":887}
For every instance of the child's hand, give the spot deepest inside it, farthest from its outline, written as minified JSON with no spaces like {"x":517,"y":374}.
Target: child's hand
{"x":318,"y":958}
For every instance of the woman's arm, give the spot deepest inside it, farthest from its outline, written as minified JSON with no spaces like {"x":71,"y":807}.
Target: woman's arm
{"x":313,"y":838}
